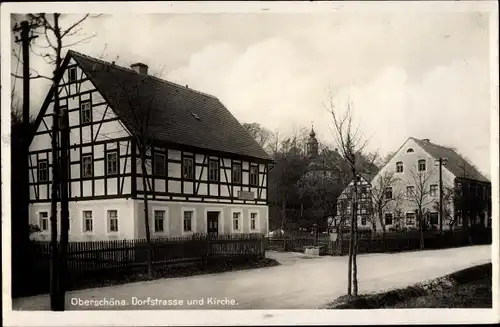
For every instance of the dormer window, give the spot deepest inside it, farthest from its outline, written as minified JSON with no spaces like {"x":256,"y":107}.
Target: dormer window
{"x":410,"y":150}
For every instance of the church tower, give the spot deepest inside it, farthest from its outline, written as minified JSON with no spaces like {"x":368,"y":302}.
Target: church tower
{"x":312,"y":145}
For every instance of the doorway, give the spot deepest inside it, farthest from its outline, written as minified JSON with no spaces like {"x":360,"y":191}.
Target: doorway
{"x":213,"y":223}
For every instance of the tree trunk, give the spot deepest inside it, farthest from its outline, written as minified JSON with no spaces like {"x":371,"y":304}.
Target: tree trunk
{"x":146,"y":213}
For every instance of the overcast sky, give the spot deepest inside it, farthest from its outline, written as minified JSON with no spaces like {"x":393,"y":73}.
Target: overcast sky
{"x":424,"y":75}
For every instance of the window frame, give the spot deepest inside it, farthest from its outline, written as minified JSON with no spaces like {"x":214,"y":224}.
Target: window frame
{"x":109,"y":219}
{"x":72,"y":69}
{"x":255,"y":220}
{"x":163,"y":220}
{"x":82,"y":112}
{"x":184,"y":166}
{"x":107,"y":162}
{"x":85,"y":219}
{"x":255,"y":175}
{"x":156,"y":164}
{"x":391,"y":215}
{"x":408,"y":188}
{"x":234,"y":173}
{"x":46,"y":169}
{"x":87,"y":155}
{"x":239,"y":212}
{"x":386,"y":191}
{"x":436,"y":215}
{"x":433,"y":190}
{"x":414,"y":215}
{"x":41,"y":219}
{"x":213,"y":170}
{"x":422,"y":163}
{"x":399,"y":164}
{"x":192,"y":218}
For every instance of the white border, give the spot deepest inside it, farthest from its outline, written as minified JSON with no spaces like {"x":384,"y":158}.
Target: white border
{"x":82,"y":220}
{"x":250,"y":317}
{"x":107,"y":224}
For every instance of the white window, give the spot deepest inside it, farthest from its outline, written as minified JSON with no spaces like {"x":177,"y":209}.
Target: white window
{"x":410,"y":190}
{"x":188,"y":221}
{"x":72,"y":74}
{"x":236,"y":221}
{"x":112,"y":221}
{"x":44,"y":221}
{"x":43,"y":170}
{"x":112,"y":163}
{"x":86,"y":112}
{"x":399,"y":167}
{"x":253,"y":220}
{"x":87,"y":166}
{"x":87,"y":221}
{"x":363,"y":221}
{"x":433,"y":190}
{"x":421,"y":165}
{"x":159,"y":216}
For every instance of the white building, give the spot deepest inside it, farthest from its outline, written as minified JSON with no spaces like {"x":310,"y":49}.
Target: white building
{"x":205,"y":173}
{"x":415,"y":171}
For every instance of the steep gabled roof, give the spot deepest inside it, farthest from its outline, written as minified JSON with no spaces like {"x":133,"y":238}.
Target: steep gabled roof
{"x":177,"y":114}
{"x":457,"y":164}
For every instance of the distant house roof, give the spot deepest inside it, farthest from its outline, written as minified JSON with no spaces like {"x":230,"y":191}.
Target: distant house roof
{"x":458,"y":165}
{"x":178,"y":114}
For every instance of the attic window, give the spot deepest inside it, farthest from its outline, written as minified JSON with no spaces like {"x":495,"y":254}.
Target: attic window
{"x":409,"y":150}
{"x":195,"y":116}
{"x":72,"y":74}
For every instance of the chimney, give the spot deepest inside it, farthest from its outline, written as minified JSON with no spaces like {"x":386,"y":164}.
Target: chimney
{"x":140,"y":68}
{"x":426,"y":140}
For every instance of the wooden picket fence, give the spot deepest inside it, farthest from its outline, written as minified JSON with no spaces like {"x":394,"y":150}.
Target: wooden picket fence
{"x":115,"y":258}
{"x":381,"y":243}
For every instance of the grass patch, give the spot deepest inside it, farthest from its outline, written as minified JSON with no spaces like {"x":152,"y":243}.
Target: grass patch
{"x":468,"y":288}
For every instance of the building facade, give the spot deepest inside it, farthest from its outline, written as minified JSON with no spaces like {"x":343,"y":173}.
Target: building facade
{"x":204,"y":172}
{"x":414,"y":188}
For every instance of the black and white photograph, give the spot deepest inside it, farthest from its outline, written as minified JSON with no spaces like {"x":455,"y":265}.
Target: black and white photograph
{"x":249,"y":163}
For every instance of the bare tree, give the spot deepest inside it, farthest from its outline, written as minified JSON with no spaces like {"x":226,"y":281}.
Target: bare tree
{"x":349,"y":139}
{"x":450,"y":196}
{"x":50,"y":26}
{"x":261,"y":134}
{"x":418,"y":195}
{"x":383,"y":193}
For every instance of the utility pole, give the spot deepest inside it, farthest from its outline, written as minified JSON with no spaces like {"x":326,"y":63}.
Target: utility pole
{"x":441,"y":195}
{"x":26,"y":36}
{"x":63,"y":247}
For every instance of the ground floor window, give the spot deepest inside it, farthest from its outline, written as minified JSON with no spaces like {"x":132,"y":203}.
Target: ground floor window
{"x":87,"y":221}
{"x":44,"y":221}
{"x":388,"y":219}
{"x":410,"y":218}
{"x":159,"y":216}
{"x":253,"y":220}
{"x":236,"y":220}
{"x":433,"y":218}
{"x":363,"y":220}
{"x":112,"y":220}
{"x":188,"y":221}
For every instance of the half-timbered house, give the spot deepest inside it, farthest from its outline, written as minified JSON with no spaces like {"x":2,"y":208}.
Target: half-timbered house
{"x":205,"y":173}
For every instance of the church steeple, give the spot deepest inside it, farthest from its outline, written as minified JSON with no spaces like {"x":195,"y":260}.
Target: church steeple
{"x":312,"y":145}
